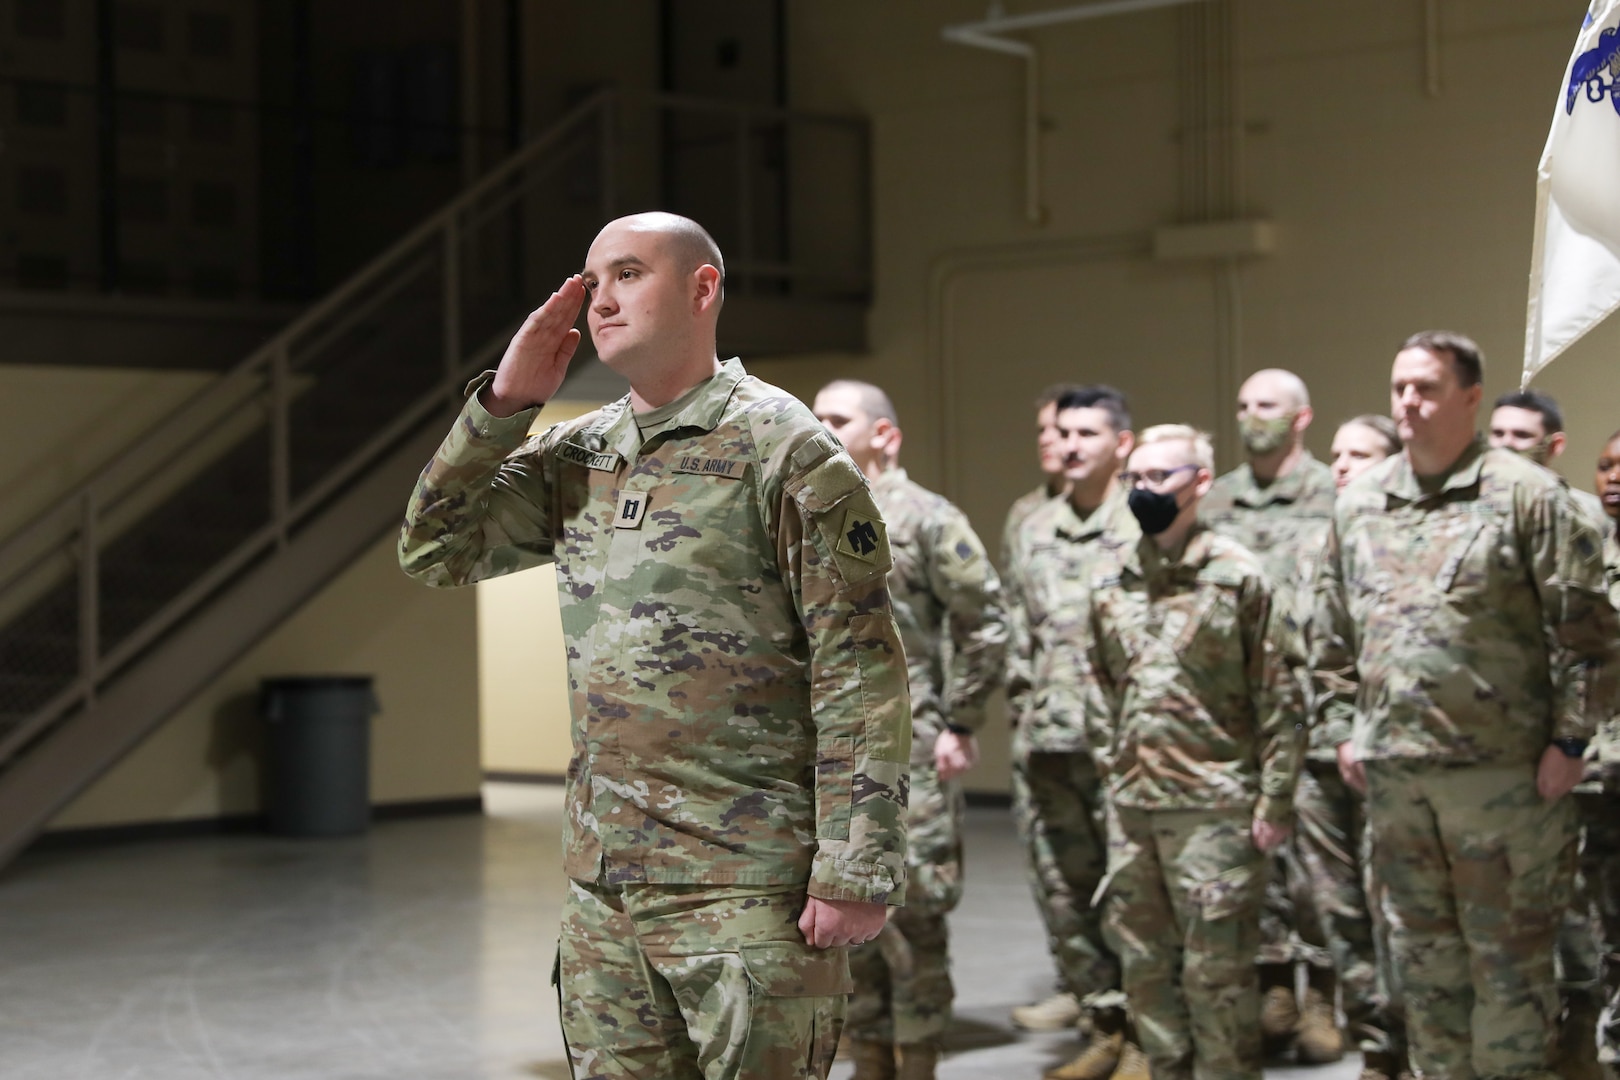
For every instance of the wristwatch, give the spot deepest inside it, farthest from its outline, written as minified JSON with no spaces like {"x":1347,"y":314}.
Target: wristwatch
{"x":1571,"y":748}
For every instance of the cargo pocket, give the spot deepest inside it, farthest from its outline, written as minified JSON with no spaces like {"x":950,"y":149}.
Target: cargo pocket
{"x":1541,"y":864}
{"x":786,"y":969}
{"x":796,"y":1009}
{"x":1225,"y":934}
{"x":835,"y":786}
{"x":1227,"y":894}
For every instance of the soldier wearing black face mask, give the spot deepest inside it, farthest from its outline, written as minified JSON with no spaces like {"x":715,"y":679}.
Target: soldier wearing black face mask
{"x":1200,"y":676}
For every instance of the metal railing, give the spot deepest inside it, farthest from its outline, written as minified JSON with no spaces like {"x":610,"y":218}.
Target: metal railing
{"x":227,"y":478}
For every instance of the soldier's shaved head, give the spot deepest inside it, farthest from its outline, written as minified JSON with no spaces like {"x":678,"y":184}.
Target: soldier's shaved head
{"x":873,"y":401}
{"x":862,"y":417}
{"x":685,"y":240}
{"x":1279,"y":383}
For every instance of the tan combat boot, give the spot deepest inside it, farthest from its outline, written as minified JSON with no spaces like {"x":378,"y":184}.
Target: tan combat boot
{"x":1096,"y":1062}
{"x":873,"y":1060}
{"x":1320,"y":1040}
{"x":1060,"y":1011}
{"x":1133,"y":1064}
{"x":1279,"y":1010}
{"x":917,"y":1061}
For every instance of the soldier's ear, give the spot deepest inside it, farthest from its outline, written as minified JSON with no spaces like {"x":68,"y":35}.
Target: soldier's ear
{"x":706,"y":289}
{"x":886,"y":436}
{"x":1302,"y":419}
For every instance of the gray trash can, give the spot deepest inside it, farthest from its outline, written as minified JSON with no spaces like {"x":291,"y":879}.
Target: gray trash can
{"x":318,"y":753}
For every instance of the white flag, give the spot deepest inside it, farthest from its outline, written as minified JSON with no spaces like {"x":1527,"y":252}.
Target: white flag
{"x":1575,"y":265}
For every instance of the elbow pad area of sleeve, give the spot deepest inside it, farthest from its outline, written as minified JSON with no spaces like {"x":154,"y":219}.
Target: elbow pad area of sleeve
{"x":834,"y":499}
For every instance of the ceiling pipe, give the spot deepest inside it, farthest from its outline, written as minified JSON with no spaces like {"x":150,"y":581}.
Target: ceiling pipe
{"x":985,"y":35}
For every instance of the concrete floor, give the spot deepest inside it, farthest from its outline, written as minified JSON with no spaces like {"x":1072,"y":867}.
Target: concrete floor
{"x":422,"y":951}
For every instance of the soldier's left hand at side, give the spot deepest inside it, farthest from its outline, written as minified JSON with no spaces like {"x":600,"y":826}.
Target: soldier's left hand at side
{"x":1558,"y":773}
{"x":828,"y":924}
{"x":1267,"y":835}
{"x":955,"y":754}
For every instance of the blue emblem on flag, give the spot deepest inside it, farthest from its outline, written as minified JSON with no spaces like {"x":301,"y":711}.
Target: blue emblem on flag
{"x":1595,"y":71}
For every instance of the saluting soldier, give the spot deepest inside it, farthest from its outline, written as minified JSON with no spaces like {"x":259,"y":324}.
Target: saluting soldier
{"x":735,"y":802}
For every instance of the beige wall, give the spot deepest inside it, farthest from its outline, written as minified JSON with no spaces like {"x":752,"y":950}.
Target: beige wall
{"x":57,"y":425}
{"x":522,"y":676}
{"x":419,"y":643}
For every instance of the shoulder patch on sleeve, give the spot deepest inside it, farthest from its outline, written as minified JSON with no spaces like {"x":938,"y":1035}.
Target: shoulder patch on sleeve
{"x":861,"y":536}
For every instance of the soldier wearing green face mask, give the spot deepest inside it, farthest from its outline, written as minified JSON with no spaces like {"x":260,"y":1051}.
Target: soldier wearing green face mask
{"x":1278,"y":504}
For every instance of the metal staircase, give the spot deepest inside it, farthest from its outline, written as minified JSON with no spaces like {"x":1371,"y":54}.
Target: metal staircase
{"x":132,"y":592}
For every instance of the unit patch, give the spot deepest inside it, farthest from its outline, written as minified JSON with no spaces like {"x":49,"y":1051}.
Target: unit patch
{"x":601,"y":462}
{"x":861,"y":536}
{"x":730,"y":470}
{"x":632,"y":508}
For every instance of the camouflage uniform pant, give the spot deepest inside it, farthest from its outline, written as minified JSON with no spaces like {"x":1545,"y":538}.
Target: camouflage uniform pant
{"x":1183,"y":906}
{"x":1330,"y":840}
{"x":1478,"y":870}
{"x":1600,"y":884}
{"x":1058,"y":805}
{"x":903,"y":990}
{"x":682,"y":982}
{"x":1579,"y":961}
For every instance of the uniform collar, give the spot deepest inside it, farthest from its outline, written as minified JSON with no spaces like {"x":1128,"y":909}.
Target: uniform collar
{"x":1145,"y":560}
{"x":702,"y":408}
{"x":1288,"y":488}
{"x":1402,"y":482}
{"x":1071,"y":526}
{"x":890,"y":479}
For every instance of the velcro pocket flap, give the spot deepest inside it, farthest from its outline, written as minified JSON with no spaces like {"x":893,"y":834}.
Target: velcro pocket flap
{"x":826,"y":485}
{"x":1231,"y":892}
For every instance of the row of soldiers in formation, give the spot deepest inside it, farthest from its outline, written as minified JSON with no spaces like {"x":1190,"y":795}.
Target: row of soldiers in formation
{"x":1297,"y":716}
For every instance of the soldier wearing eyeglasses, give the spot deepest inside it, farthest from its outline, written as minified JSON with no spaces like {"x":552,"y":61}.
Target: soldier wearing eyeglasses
{"x":1201,"y":675}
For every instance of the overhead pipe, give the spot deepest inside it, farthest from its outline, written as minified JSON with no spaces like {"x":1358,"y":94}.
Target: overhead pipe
{"x":985,"y":35}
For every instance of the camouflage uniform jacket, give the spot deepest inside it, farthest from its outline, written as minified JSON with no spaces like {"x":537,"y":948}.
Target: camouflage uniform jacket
{"x":1051,"y":693}
{"x":1278,"y":521}
{"x":1202,"y":679}
{"x":1607,"y":744}
{"x":1461,"y":620}
{"x":737,"y":683}
{"x":947,"y":604}
{"x":1017,"y":515}
{"x":1590,"y":507}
